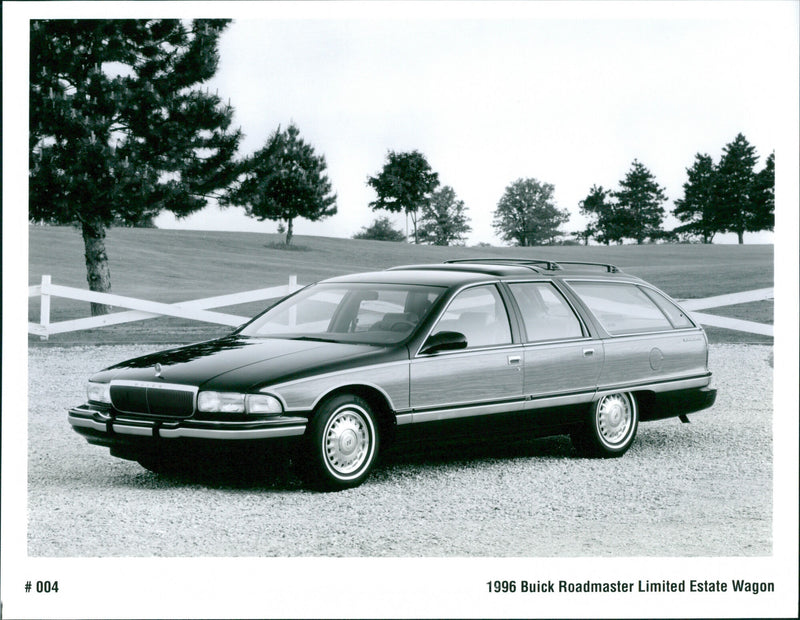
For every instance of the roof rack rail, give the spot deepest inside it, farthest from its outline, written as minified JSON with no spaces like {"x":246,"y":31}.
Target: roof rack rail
{"x":550,"y":265}
{"x":525,"y":262}
{"x":608,"y":267}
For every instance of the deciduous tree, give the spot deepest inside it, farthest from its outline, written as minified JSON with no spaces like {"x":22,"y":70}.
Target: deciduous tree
{"x":405,"y":184}
{"x":120,"y":128}
{"x":606,"y":222}
{"x":284,"y":180}
{"x":527,"y":215}
{"x":381,"y":230}
{"x":443,"y":221}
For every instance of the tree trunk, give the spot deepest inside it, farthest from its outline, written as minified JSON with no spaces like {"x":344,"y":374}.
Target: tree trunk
{"x":98,"y":275}
{"x":289,"y":233}
{"x":740,"y":234}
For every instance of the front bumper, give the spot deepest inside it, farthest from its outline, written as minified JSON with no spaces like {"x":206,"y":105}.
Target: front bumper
{"x":102,"y":427}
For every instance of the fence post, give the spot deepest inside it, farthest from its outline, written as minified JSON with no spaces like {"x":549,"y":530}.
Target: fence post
{"x":293,"y":309}
{"x":44,"y":312}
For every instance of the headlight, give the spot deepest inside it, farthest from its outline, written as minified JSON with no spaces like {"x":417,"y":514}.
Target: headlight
{"x":233,"y":402}
{"x":224,"y":402}
{"x":98,"y":392}
{"x":262,"y":403}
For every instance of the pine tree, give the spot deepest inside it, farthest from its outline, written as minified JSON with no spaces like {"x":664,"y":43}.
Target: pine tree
{"x":284,"y":180}
{"x":764,"y":208}
{"x":735,"y":189}
{"x":119,"y":127}
{"x":698,"y":207}
{"x":639,"y":204}
{"x":443,"y":221}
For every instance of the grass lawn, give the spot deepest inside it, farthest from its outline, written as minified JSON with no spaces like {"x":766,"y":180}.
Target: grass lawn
{"x":171,"y":265}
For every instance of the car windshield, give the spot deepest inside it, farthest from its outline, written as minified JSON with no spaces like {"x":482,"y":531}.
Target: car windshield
{"x":348,"y":312}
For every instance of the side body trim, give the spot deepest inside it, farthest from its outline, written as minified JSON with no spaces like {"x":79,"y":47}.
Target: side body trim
{"x":456,"y":410}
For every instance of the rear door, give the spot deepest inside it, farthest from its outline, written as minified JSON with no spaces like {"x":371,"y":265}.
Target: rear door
{"x":562,"y":361}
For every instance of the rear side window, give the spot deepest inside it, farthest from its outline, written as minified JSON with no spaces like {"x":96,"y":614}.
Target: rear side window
{"x":676,"y":316}
{"x":622,"y":308}
{"x":546,"y":314}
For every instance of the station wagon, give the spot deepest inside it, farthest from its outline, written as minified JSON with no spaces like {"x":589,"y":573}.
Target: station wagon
{"x":344,"y":367}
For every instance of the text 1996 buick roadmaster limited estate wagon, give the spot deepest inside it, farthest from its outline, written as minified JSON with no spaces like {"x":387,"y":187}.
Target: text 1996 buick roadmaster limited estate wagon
{"x":350,"y":364}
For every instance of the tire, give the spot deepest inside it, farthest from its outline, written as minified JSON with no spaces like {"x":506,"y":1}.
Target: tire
{"x":341,"y":444}
{"x":610,"y":427}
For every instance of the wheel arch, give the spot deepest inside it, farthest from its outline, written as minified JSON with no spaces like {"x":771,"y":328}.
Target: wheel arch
{"x":645,"y":401}
{"x":377,"y":400}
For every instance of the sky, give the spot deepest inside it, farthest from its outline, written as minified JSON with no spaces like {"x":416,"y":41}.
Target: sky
{"x":566,"y":93}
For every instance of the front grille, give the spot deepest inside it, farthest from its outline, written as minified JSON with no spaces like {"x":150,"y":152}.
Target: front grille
{"x":153,"y":399}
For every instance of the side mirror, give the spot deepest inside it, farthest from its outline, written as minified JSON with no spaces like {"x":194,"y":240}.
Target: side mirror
{"x":444,"y":341}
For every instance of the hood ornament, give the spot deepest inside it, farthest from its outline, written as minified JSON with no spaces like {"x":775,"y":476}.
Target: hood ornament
{"x":157,"y":369}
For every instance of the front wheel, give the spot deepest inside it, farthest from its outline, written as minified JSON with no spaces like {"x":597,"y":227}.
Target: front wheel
{"x":342,"y":443}
{"x":610,"y":428}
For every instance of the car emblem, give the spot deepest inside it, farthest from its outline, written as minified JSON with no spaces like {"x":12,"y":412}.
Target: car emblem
{"x":158,"y":370}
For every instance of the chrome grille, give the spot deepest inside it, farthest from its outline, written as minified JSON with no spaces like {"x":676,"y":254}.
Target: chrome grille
{"x":153,"y":399}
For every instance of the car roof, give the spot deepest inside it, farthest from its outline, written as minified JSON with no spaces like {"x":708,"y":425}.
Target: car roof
{"x":465,"y":271}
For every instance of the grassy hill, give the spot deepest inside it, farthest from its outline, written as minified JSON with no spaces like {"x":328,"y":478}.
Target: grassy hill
{"x":172,"y":265}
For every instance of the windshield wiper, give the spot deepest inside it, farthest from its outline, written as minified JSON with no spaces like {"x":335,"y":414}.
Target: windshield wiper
{"x":313,"y":338}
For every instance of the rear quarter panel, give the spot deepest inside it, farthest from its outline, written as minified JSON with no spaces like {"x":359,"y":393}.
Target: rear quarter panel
{"x":644,"y":358}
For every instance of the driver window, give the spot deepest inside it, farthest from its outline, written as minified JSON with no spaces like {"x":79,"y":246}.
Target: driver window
{"x":480,"y":314}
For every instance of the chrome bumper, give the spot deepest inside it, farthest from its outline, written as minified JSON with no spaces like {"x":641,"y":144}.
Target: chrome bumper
{"x":96,"y":421}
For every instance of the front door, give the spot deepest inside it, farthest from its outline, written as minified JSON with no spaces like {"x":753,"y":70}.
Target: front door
{"x":485,"y":377}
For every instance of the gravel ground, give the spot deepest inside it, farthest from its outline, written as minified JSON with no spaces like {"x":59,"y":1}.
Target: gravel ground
{"x":700,"y":489}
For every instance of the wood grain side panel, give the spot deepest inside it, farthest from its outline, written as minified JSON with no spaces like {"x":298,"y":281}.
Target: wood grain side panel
{"x":390,"y":379}
{"x":459,"y":379}
{"x":654,"y":357}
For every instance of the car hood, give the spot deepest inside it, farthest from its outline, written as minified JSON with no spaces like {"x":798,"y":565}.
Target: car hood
{"x":240,"y":363}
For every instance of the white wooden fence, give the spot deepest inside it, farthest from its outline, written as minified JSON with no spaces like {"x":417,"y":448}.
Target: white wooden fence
{"x":731,"y":299}
{"x":197,"y":309}
{"x":142,"y":309}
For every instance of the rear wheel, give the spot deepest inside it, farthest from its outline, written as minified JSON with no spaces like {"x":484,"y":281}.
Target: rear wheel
{"x":342,"y":443}
{"x":610,"y":428}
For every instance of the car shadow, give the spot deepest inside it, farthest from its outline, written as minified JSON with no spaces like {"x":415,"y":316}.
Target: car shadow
{"x":278,"y":472}
{"x":229,"y":472}
{"x":477,"y":450}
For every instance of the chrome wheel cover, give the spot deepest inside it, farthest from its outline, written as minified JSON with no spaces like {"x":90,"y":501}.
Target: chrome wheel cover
{"x":347,"y":440}
{"x":615,"y":418}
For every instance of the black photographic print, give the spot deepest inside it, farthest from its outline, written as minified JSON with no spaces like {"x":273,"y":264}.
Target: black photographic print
{"x":400,"y":309}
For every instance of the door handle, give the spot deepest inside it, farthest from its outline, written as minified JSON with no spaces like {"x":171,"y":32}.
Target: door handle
{"x":588,"y":352}
{"x":514,"y":359}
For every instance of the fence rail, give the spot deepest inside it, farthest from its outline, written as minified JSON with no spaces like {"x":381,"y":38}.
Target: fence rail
{"x":142,"y":309}
{"x":197,"y":309}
